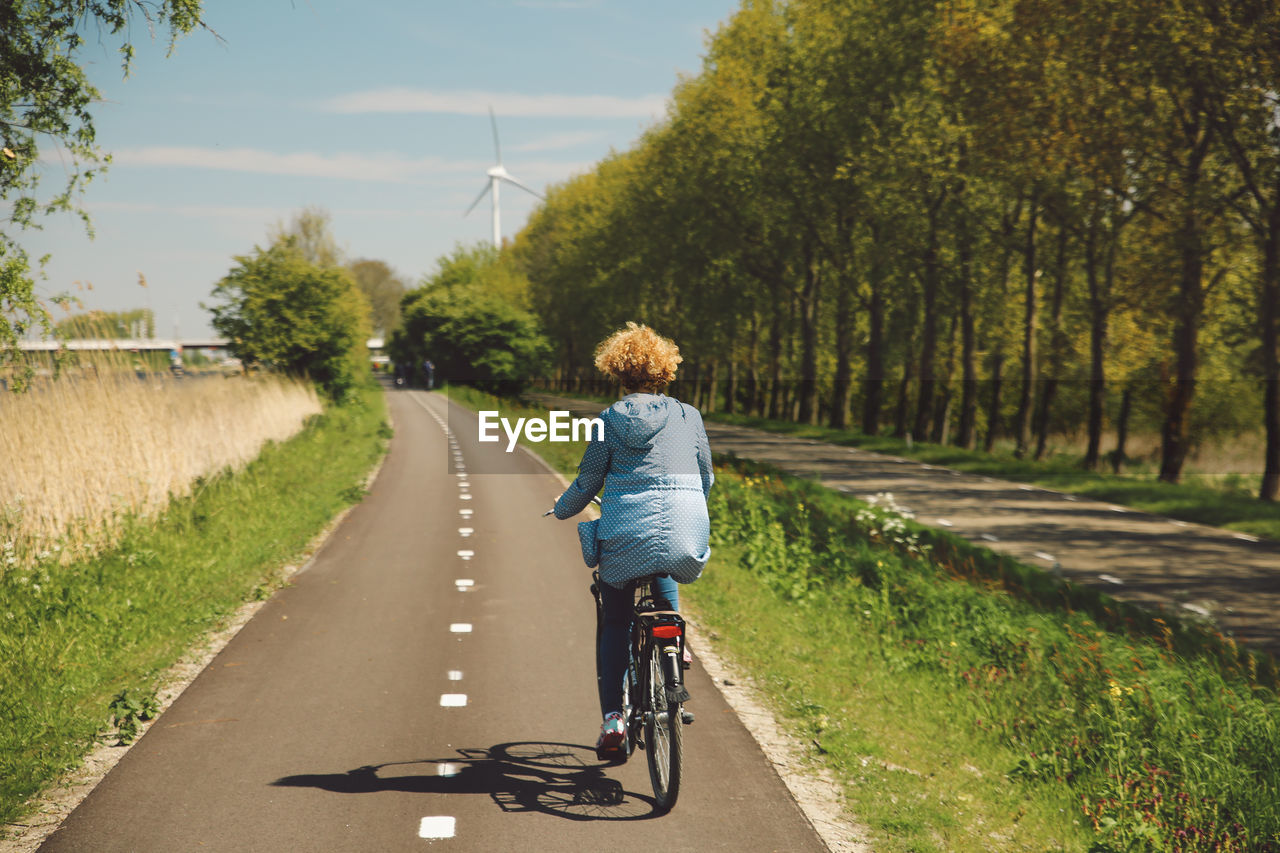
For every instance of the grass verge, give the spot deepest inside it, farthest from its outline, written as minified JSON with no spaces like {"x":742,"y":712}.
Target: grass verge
{"x":966,"y":710}
{"x":73,"y":637}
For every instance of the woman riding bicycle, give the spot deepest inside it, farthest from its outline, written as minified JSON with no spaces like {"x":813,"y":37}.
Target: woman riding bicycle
{"x":655,"y":466}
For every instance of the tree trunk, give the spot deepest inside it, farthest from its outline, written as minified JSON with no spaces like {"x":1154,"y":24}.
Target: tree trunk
{"x":1269,"y":318}
{"x":842,"y":384}
{"x":1008,"y":227}
{"x":1118,"y":457}
{"x":942,"y":411}
{"x":1057,"y":345}
{"x":775,"y":364}
{"x":873,"y":389}
{"x":810,"y":295}
{"x":1026,"y":393}
{"x":731,"y":392}
{"x":968,"y":347}
{"x":713,"y":384}
{"x":993,"y":407}
{"x":930,"y":281}
{"x":904,"y":399}
{"x":1175,"y":442}
{"x":1099,"y":308}
{"x":753,"y":402}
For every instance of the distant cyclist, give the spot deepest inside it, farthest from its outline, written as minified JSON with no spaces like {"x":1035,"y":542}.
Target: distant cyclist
{"x":655,"y":466}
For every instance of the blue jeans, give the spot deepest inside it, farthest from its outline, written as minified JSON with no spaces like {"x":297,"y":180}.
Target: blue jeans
{"x":619,"y":607}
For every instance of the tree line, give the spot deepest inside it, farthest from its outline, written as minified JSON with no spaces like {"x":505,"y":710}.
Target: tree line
{"x":964,"y":220}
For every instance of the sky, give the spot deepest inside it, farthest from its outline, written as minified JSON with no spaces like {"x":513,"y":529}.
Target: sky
{"x":375,"y":110}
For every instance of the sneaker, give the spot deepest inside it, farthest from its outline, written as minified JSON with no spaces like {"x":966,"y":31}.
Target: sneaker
{"x":613,"y":733}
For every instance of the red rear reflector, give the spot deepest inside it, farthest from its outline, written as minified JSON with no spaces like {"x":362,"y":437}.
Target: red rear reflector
{"x":666,"y":632}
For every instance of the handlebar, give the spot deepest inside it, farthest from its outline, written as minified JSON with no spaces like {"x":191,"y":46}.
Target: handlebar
{"x":595,"y":499}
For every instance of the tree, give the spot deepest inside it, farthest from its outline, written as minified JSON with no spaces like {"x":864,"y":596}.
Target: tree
{"x":312,"y":235}
{"x":1247,"y":122}
{"x":383,"y":289}
{"x":45,"y":99}
{"x":467,"y":319}
{"x":286,"y":314}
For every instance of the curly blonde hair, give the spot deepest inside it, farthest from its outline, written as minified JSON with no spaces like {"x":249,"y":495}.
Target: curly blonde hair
{"x":638,"y":358}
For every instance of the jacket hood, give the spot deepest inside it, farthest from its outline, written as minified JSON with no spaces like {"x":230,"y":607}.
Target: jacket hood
{"x":637,"y":418}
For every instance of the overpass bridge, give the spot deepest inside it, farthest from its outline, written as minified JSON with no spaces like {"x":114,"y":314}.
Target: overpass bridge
{"x":126,"y":344}
{"x":145,"y":344}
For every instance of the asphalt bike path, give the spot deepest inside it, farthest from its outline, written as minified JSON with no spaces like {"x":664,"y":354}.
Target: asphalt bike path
{"x":1200,"y":571}
{"x":427,"y":682}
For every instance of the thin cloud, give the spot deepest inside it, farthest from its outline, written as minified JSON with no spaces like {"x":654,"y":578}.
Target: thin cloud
{"x":561,"y":141}
{"x":264,"y":214}
{"x":558,"y":4}
{"x":385,"y":168}
{"x":405,"y":100}
{"x":363,"y":167}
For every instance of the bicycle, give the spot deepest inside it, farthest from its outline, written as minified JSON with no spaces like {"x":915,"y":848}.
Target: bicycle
{"x":653,"y":692}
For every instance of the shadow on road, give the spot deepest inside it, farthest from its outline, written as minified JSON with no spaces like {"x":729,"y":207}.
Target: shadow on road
{"x":560,"y":779}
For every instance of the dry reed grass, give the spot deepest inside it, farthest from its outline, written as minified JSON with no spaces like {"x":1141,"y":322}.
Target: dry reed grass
{"x":80,"y":454}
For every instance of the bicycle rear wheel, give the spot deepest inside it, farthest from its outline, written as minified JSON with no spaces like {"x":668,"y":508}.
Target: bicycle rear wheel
{"x":664,"y":736}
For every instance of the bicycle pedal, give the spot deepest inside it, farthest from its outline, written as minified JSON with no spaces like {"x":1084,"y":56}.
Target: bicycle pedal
{"x":686,"y":717}
{"x":613,"y":756}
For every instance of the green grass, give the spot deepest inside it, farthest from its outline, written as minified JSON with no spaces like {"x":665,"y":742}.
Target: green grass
{"x":1220,"y":502}
{"x":73,"y":637}
{"x":917,"y":774}
{"x":965,"y":705}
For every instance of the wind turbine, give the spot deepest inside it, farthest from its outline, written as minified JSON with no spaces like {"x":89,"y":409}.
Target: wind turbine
{"x":497,"y":174}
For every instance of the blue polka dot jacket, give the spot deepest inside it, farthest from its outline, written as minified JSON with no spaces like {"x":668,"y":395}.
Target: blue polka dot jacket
{"x":655,"y":466}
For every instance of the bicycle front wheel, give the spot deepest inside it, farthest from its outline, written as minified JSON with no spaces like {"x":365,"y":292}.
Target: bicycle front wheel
{"x":664,"y":736}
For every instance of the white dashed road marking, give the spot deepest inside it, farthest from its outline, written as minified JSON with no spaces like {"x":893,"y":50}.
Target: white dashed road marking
{"x":466,"y":531}
{"x":448,"y":769}
{"x":464,"y":583}
{"x":454,"y":675}
{"x":453,"y":700}
{"x":437,"y":827}
{"x":466,"y":555}
{"x":460,"y":628}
